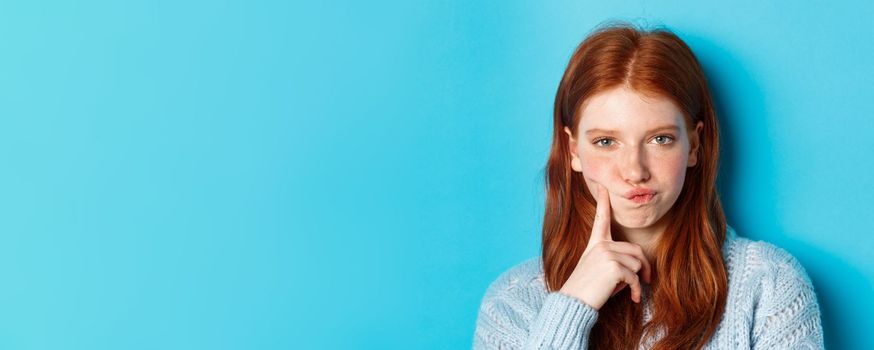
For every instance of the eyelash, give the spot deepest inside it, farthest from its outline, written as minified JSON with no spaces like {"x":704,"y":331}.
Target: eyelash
{"x":669,"y":137}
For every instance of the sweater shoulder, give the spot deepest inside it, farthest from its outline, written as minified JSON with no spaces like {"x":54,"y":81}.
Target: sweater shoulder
{"x":520,"y":290}
{"x":518,"y":312}
{"x":770,"y":273}
{"x":765,"y":259}
{"x":784,"y":309}
{"x":522,"y":277}
{"x":758,"y":254}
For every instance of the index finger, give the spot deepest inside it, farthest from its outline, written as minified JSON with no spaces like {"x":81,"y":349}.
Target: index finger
{"x":601,"y":225}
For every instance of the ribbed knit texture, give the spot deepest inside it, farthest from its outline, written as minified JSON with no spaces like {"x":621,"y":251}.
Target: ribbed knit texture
{"x":771,"y":305}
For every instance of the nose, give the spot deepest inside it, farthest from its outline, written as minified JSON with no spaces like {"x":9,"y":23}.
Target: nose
{"x":633,"y":165}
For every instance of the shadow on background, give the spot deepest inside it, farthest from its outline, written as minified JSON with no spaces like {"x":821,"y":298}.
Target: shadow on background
{"x":842,"y":289}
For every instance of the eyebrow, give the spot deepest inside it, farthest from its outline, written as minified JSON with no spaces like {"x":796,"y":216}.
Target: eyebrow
{"x":612,"y":132}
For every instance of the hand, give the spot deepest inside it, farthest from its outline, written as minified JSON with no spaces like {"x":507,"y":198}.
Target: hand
{"x":606,"y":267}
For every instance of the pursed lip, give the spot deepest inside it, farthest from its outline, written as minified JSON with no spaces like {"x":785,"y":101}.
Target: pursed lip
{"x":638,"y":192}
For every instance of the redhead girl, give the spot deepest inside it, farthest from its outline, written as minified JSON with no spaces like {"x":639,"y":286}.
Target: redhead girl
{"x":636,"y":252}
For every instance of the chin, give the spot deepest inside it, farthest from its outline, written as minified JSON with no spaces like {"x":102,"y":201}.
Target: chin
{"x":636,"y":222}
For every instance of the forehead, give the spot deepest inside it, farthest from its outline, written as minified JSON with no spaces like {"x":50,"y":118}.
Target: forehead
{"x":625,"y":110}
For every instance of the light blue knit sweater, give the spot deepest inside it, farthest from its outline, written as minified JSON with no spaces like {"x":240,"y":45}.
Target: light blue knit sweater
{"x":771,"y":305}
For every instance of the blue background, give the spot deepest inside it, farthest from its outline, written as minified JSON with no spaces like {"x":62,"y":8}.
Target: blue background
{"x":265,"y":175}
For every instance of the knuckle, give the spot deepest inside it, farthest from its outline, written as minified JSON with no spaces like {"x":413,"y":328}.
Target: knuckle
{"x":615,"y":267}
{"x":633,"y":282}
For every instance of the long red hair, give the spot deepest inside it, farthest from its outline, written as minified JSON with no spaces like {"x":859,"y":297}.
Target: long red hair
{"x":690,"y":283}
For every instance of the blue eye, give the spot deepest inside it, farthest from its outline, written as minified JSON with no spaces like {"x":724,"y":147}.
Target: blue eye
{"x":663,"y":139}
{"x":601,"y":143}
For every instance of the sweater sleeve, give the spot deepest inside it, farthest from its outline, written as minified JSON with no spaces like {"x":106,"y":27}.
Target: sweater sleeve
{"x":787,"y":315}
{"x":509,"y":319}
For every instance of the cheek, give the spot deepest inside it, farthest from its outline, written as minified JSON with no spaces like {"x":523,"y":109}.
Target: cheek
{"x":595,"y":171}
{"x":593,"y":167}
{"x":672,"y":169}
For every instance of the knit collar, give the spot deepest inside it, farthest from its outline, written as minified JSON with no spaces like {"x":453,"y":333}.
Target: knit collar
{"x":730,"y":237}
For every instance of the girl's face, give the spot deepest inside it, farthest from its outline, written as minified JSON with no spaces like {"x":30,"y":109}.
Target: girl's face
{"x":628,"y":141}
